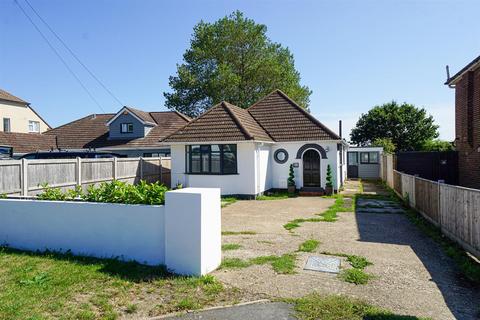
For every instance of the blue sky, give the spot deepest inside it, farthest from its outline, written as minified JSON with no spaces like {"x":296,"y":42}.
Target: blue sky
{"x":352,"y":54}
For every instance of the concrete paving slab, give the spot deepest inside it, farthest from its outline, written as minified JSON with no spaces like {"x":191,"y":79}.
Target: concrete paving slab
{"x":262,"y":310}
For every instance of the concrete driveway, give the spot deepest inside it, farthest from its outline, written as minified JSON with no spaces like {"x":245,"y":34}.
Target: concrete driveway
{"x":412,"y":275}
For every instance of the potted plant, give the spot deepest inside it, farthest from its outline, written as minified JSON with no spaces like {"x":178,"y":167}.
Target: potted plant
{"x":291,"y":180}
{"x":329,"y":184}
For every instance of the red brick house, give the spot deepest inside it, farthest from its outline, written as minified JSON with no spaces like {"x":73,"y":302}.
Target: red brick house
{"x":467,"y":122}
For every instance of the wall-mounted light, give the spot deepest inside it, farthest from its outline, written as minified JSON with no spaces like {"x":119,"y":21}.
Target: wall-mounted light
{"x":327,"y":149}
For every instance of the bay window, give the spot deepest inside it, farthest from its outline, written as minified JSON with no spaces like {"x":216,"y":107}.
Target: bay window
{"x":211,"y":159}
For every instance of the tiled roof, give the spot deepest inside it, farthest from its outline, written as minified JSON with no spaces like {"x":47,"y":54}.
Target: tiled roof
{"x":284,"y":120}
{"x":469,"y":67}
{"x":4,"y":95}
{"x":27,"y":142}
{"x":274,"y":118}
{"x":145,"y":116}
{"x":223,"y":122}
{"x":92,"y":132}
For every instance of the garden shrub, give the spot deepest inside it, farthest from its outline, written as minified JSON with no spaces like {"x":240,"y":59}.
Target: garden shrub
{"x":111,"y":192}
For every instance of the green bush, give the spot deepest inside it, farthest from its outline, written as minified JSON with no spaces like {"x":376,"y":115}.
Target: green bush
{"x":291,"y":176}
{"x":329,"y":177}
{"x":111,"y":192}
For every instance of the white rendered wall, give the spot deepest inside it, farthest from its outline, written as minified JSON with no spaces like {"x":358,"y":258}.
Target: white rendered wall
{"x":280,"y":171}
{"x":193,"y":230}
{"x":185,"y":234}
{"x":242,"y":183}
{"x":130,"y":232}
{"x":263,"y":167}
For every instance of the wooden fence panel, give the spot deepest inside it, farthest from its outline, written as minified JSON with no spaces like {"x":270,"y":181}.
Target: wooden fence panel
{"x":25,"y":177}
{"x":10,"y":176}
{"x":97,"y":170}
{"x":57,"y":173}
{"x":426,"y":198}
{"x":397,"y":182}
{"x":408,"y":188}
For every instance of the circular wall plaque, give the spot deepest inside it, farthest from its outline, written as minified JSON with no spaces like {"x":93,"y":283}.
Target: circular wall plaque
{"x":280,"y":156}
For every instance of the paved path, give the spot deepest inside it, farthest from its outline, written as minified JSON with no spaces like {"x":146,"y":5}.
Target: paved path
{"x":258,"y":311}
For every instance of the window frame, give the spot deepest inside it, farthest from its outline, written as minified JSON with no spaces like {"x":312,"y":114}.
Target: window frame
{"x":129,"y":127}
{"x":35,"y":124}
{"x":369,"y":158}
{"x":205,"y":151}
{"x":5,"y":121}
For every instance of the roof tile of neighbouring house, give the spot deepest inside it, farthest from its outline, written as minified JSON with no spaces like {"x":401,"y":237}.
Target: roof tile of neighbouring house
{"x":92,"y":132}
{"x":274,"y":118}
{"x":145,"y":116}
{"x":27,"y":142}
{"x":469,"y":67}
{"x":223,"y":122}
{"x":4,"y":95}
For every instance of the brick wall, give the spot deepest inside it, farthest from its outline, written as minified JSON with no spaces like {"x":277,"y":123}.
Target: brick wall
{"x":467,"y":128}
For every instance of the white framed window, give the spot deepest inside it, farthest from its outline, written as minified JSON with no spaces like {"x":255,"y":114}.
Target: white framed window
{"x":6,"y":125}
{"x":126,"y":128}
{"x":33,"y":126}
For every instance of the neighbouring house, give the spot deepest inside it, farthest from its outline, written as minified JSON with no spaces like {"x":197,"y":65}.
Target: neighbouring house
{"x":467,"y":122}
{"x":130,"y":132}
{"x":364,"y":162}
{"x":21,"y":126}
{"x":249,"y":151}
{"x":18,"y":116}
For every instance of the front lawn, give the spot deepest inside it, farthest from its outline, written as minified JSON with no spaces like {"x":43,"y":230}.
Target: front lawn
{"x":63,"y":286}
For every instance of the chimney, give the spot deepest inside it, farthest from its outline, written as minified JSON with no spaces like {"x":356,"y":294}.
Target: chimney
{"x":340,"y":128}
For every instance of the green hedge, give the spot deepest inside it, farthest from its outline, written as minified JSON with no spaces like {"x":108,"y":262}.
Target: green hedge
{"x":111,"y":192}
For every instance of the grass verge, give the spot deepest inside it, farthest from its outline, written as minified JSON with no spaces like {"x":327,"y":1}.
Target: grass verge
{"x":315,"y":306}
{"x":235,"y":233}
{"x":230,"y":246}
{"x":62,"y":286}
{"x":355,"y":275}
{"x":309,"y":245}
{"x":284,"y":264}
{"x":228,"y":201}
{"x":330,"y":215}
{"x":276,"y":196}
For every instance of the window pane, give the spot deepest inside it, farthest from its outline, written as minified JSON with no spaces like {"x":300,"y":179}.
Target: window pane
{"x":195,"y":149}
{"x":195,"y":162}
{"x":205,"y":162}
{"x":215,"y":148}
{"x":229,"y":163}
{"x":364,"y":157}
{"x":352,"y":158}
{"x":215,"y":162}
{"x":373,"y":157}
{"x":230,"y":148}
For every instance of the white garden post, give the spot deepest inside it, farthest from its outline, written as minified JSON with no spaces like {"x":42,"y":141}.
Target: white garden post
{"x":193,"y":230}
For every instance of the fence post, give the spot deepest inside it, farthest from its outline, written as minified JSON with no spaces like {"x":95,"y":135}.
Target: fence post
{"x":141,"y":168}
{"x":114,"y":168}
{"x":79,"y":171}
{"x":24,"y":183}
{"x":161,"y":169}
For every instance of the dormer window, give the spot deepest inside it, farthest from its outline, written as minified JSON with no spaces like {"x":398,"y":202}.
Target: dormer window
{"x":126,"y":127}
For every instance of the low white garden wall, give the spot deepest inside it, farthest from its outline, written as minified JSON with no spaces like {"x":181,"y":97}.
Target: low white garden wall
{"x":184,"y":234}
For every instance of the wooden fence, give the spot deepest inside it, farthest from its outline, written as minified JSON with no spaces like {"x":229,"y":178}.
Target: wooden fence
{"x":455,"y":210}
{"x":25,"y":177}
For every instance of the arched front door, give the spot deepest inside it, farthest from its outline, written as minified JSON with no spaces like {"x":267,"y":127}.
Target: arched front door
{"x":311,"y":168}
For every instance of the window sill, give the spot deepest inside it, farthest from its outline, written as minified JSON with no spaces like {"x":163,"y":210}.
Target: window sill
{"x":211,"y":174}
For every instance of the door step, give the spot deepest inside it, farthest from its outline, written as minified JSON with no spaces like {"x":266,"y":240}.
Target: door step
{"x":311,"y":192}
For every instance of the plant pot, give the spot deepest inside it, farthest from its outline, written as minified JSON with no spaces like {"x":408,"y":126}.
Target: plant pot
{"x":328,"y":191}
{"x":291,"y":189}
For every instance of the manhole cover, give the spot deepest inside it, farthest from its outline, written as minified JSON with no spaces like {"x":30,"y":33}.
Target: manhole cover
{"x":323,"y":264}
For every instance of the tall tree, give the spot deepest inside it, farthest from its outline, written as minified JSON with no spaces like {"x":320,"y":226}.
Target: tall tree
{"x":232,"y":59}
{"x":407,"y":126}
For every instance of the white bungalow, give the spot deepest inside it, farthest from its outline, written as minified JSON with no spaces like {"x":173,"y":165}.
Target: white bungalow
{"x":246,"y":152}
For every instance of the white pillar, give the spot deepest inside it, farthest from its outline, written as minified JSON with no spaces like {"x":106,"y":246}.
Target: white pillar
{"x":193,"y":230}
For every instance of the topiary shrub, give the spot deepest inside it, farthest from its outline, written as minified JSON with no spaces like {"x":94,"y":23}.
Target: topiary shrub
{"x":329,"y":178}
{"x":291,"y":177}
